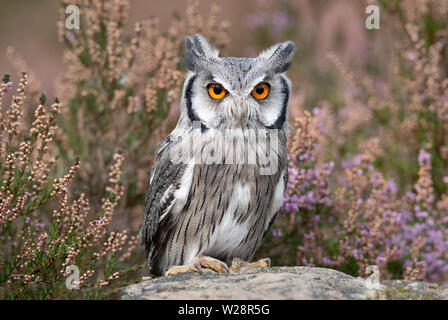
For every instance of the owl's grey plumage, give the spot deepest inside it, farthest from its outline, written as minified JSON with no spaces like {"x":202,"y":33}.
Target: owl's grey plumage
{"x":220,"y":208}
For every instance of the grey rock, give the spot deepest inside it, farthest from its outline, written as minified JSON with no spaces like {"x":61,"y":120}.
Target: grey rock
{"x":278,"y":283}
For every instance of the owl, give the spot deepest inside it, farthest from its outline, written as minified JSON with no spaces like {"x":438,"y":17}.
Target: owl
{"x":217,"y":182}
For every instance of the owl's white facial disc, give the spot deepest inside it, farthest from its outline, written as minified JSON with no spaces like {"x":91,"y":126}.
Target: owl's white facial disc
{"x":241,"y":105}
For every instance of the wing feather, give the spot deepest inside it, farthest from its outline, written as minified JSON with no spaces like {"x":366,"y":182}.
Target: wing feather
{"x":165,"y":180}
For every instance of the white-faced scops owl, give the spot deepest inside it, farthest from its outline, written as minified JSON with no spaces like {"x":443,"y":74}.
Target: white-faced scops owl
{"x":218,"y":178}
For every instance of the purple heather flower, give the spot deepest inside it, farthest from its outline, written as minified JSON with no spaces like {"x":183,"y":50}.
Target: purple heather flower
{"x":424,"y":157}
{"x":309,"y":235}
{"x":410,"y":195}
{"x":277,"y":233}
{"x":315,"y":218}
{"x":356,"y":160}
{"x":391,"y":187}
{"x":69,"y":36}
{"x":375,"y":178}
{"x":8,"y":86}
{"x":380,"y":259}
{"x":412,"y":56}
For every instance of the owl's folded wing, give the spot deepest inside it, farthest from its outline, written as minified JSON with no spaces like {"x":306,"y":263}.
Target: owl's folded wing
{"x":165,"y":182}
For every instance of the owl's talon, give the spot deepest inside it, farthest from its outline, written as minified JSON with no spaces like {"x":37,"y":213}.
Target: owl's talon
{"x":238,"y":263}
{"x":265,"y":262}
{"x":183,"y":269}
{"x":212,"y":263}
{"x":197,"y":267}
{"x":197,"y":264}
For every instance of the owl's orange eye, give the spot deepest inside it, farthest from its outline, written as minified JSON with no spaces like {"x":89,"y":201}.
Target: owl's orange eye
{"x":216,"y":91}
{"x":260,"y":91}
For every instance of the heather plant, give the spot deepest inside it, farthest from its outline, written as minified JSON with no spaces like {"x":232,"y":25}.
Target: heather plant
{"x":45,"y":226}
{"x":122,"y":90}
{"x":357,"y":219}
{"x":368,"y":168}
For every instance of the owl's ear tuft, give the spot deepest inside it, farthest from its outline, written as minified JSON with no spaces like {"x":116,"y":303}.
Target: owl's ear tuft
{"x":279,"y":56}
{"x":198,"y":52}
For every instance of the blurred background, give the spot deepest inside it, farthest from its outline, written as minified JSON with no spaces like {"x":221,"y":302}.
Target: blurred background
{"x":30,"y":27}
{"x":323,"y":26}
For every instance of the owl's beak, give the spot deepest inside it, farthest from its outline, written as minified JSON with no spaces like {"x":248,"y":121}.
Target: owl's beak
{"x":241,"y":109}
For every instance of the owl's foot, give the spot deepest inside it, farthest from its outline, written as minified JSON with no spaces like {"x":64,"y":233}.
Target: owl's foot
{"x":212,"y":263}
{"x":238,"y":263}
{"x":183,"y":269}
{"x":196,"y":264}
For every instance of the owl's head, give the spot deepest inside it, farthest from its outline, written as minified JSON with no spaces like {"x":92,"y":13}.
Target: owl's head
{"x":236,"y":92}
